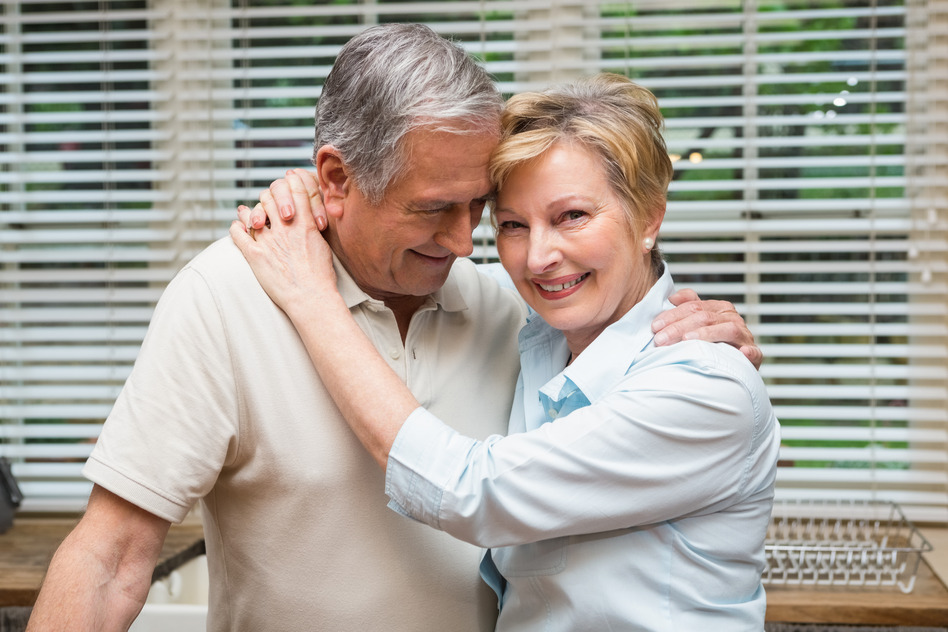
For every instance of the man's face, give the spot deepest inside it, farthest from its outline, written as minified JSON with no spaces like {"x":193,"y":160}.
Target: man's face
{"x":405,"y":245}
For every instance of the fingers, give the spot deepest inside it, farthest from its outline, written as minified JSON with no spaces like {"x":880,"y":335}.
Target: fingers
{"x":255,"y":218}
{"x":684,"y":296}
{"x":304,"y":191}
{"x":240,"y":233}
{"x":282,"y":198}
{"x":276,"y":202}
{"x":698,"y":326}
{"x":693,"y":312}
{"x":311,"y":184}
{"x":309,"y":180}
{"x":285,"y":199}
{"x":702,"y":326}
{"x":269,"y":206}
{"x":243,"y":215}
{"x":669,"y":321}
{"x":711,"y":321}
{"x":754,"y":354}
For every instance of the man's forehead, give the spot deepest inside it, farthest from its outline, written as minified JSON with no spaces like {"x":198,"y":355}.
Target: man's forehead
{"x":445,"y":135}
{"x":443,"y":166}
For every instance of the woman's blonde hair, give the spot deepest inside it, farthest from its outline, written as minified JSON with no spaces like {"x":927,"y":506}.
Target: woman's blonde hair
{"x":609,"y":115}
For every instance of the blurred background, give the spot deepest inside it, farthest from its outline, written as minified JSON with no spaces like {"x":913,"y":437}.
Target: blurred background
{"x":810,"y":141}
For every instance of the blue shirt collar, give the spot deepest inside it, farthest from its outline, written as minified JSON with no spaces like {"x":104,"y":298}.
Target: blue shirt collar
{"x":596,"y":369}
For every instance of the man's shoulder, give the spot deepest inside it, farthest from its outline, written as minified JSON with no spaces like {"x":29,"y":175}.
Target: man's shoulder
{"x":219,"y":257}
{"x":219,"y":274}
{"x":220,"y":265}
{"x":465,"y":271}
{"x":483,"y":289}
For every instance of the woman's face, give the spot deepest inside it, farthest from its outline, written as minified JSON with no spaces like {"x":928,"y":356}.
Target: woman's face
{"x":566,"y":241}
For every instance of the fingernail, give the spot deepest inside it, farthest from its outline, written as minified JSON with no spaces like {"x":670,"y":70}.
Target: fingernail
{"x":286,"y":212}
{"x":658,"y":324}
{"x":661,"y":339}
{"x":321,"y":223}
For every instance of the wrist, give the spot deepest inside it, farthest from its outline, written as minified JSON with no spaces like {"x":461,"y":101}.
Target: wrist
{"x":326,"y":304}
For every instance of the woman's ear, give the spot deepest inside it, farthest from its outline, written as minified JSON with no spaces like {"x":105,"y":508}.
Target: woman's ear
{"x":655,"y":224}
{"x":334,"y":182}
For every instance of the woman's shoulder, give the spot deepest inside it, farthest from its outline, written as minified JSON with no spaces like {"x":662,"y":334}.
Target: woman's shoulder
{"x":698,"y":355}
{"x":696,"y":369}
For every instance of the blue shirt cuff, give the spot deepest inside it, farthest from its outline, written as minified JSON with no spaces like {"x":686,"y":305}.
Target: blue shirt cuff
{"x":426,"y":454}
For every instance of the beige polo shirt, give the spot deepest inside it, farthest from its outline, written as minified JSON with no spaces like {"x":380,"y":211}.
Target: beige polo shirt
{"x":224,"y":406}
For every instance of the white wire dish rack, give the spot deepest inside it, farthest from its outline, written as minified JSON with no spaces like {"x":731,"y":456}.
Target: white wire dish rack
{"x":846,"y":543}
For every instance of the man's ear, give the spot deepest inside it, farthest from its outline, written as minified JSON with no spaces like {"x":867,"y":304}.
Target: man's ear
{"x":334,"y":181}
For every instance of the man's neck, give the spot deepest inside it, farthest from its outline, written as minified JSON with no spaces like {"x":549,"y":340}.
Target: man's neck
{"x":404,"y":307}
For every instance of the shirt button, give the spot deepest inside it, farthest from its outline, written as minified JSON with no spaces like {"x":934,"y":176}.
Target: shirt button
{"x":552,"y":413}
{"x":395,"y":353}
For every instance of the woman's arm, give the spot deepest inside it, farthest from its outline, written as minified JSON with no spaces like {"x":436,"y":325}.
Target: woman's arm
{"x":293,"y":263}
{"x":691,"y":319}
{"x":684,"y":433}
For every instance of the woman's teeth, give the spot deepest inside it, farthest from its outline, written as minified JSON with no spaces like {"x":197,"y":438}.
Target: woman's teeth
{"x":562,"y":286}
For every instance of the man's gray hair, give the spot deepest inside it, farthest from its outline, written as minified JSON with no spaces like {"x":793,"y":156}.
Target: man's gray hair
{"x":389,"y":80}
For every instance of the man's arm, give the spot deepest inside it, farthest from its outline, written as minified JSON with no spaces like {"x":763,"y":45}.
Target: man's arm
{"x":100,"y":575}
{"x":712,"y":321}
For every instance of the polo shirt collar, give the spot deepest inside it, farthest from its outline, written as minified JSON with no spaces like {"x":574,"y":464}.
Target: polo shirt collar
{"x":448,"y":296}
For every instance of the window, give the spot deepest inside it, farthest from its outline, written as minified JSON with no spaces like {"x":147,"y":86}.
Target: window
{"x":810,"y":190}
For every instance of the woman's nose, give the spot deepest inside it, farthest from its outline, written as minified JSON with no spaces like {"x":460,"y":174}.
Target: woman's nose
{"x":544,"y":253}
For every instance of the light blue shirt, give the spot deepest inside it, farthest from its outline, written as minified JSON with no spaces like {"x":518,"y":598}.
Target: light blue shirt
{"x":633,"y":494}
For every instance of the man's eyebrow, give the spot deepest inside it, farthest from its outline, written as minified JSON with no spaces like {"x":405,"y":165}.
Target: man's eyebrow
{"x":434,"y":205}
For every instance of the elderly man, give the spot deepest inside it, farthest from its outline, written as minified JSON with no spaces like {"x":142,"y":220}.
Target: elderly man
{"x":224,"y":407}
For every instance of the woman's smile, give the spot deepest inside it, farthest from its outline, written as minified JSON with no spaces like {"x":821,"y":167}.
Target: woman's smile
{"x":555,"y":289}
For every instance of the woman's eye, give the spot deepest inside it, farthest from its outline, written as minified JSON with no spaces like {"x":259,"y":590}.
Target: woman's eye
{"x":510,"y":225}
{"x":574,"y":215}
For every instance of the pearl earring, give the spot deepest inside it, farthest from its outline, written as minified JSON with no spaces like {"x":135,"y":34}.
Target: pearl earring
{"x":648,"y":242}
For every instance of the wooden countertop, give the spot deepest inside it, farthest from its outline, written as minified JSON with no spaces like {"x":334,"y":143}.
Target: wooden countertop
{"x":27,"y":547}
{"x":25,"y":551}
{"x":926,"y":605}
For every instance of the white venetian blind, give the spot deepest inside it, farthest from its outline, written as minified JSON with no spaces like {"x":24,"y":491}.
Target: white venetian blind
{"x":810,"y":190}
{"x":805,"y":194}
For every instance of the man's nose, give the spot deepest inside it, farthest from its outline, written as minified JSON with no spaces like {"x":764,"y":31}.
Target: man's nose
{"x":455,"y":232}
